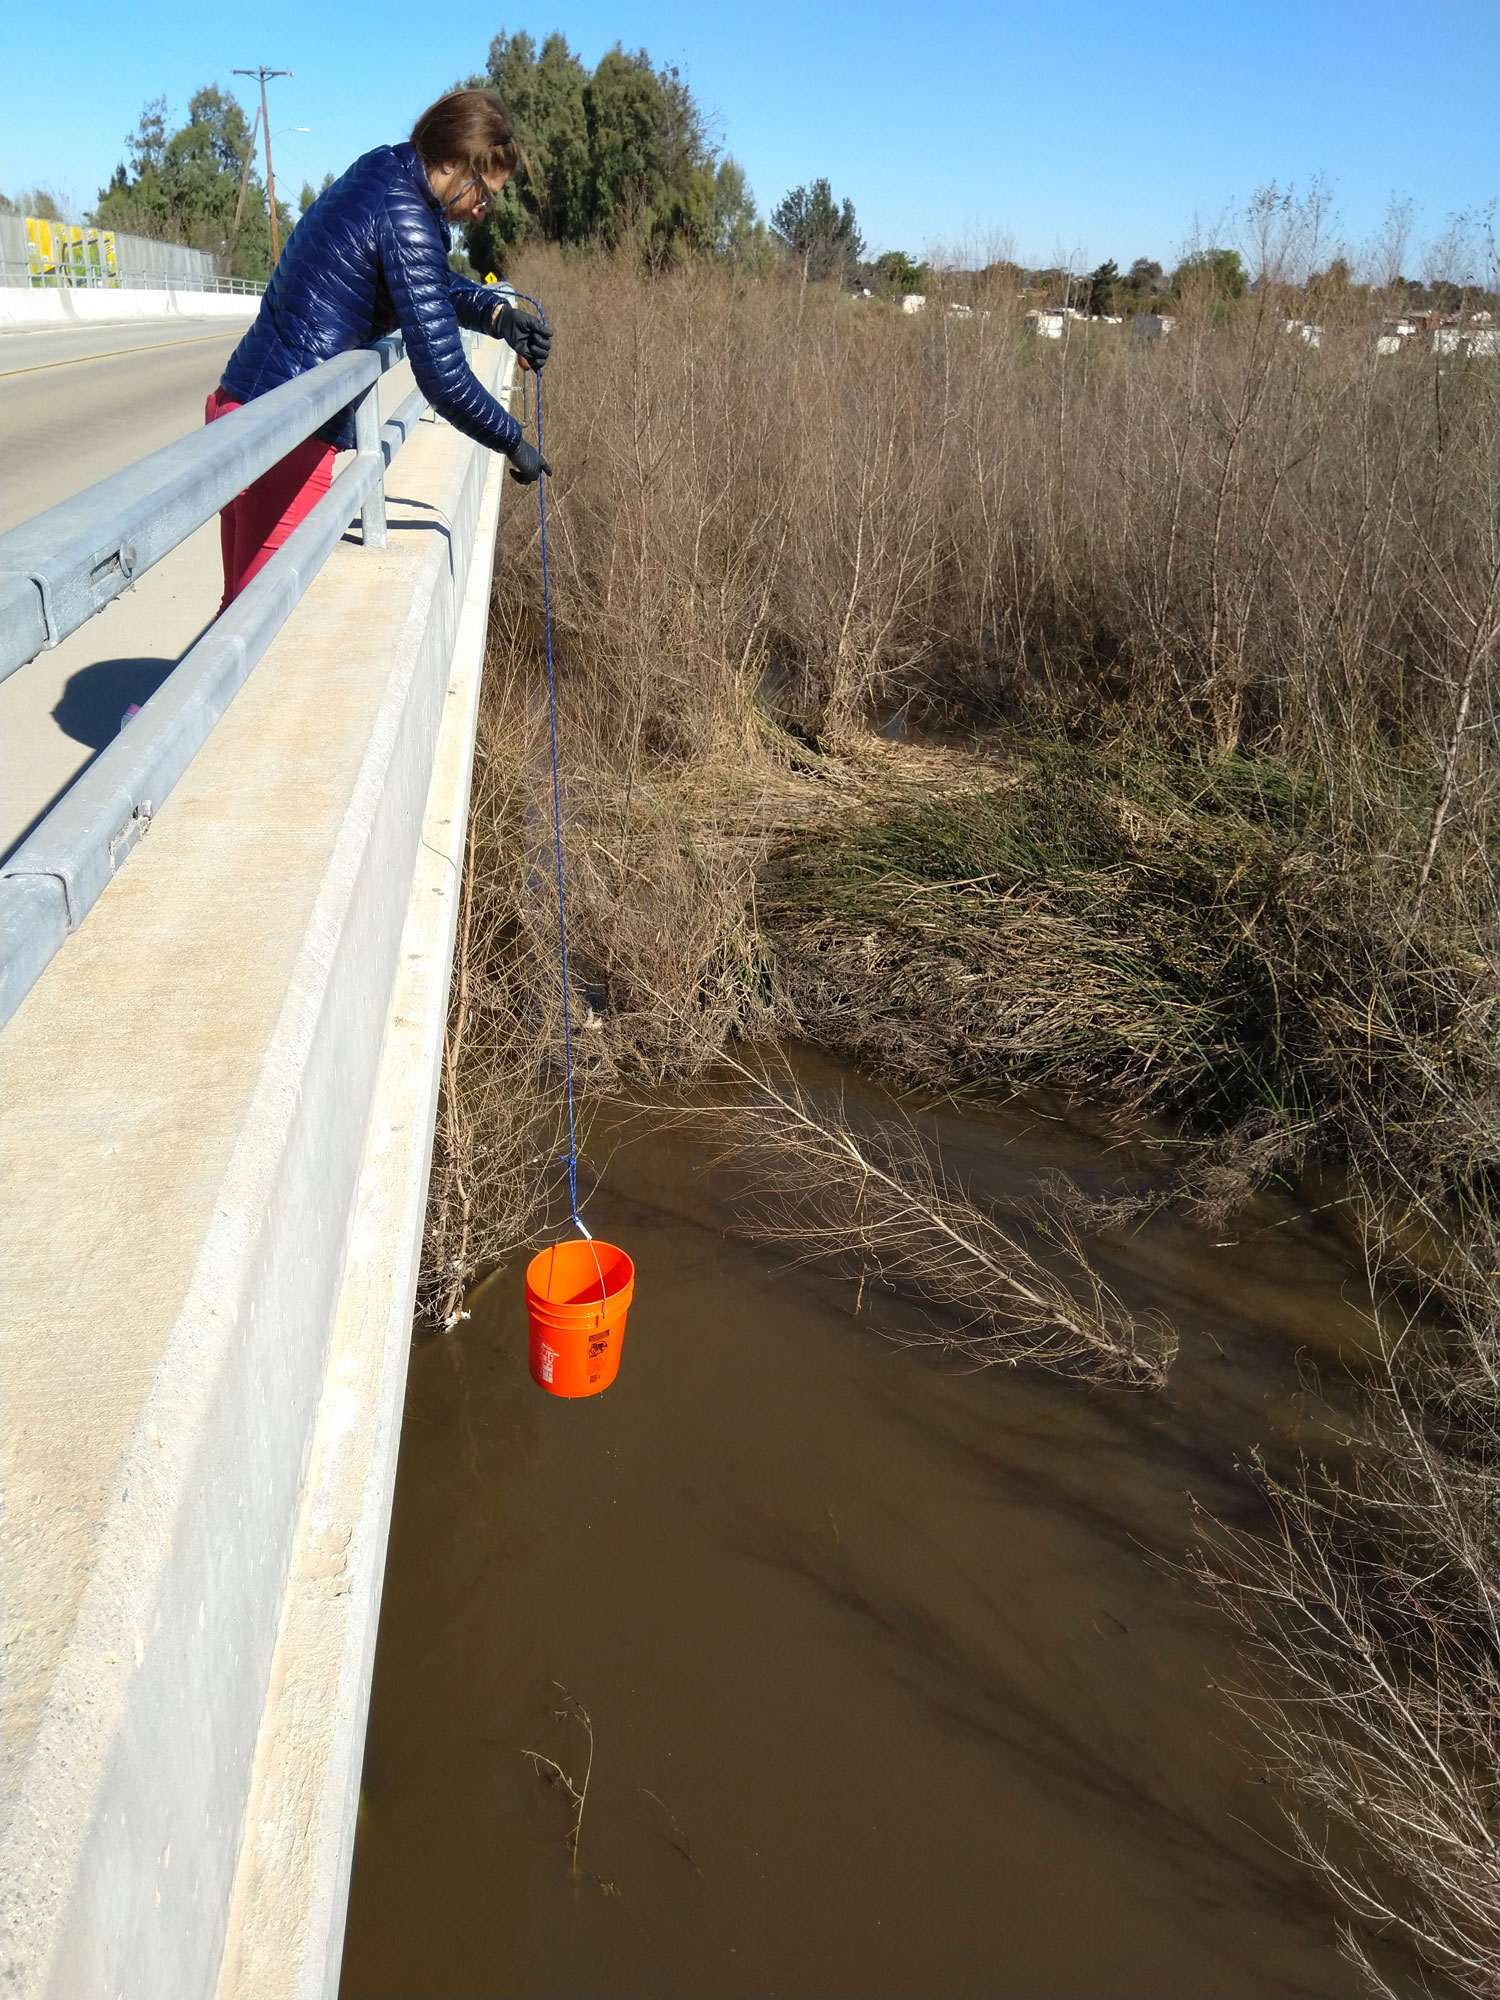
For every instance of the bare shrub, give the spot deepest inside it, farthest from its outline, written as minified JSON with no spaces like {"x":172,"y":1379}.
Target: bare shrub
{"x":820,"y":511}
{"x":1372,"y":1615}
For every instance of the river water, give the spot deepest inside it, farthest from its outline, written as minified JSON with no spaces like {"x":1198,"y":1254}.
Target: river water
{"x":892,"y":1687}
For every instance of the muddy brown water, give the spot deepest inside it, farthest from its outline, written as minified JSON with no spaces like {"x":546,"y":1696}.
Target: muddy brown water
{"x":891,"y":1689}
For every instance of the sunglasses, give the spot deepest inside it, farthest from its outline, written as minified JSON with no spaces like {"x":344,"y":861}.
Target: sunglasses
{"x":485,"y":196}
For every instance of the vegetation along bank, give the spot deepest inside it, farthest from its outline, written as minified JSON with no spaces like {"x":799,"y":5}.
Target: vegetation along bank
{"x":1000,"y":713}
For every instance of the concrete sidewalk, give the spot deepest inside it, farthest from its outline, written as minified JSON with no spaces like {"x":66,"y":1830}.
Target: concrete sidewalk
{"x":219,"y":1103}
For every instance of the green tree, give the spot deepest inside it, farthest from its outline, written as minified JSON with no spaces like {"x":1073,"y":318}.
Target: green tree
{"x":1219,"y":274}
{"x":543,"y":92}
{"x":183,"y":186}
{"x":895,"y":272}
{"x":617,"y":151}
{"x":37,"y":201}
{"x":310,"y":194}
{"x":147,"y":144}
{"x":1103,"y":283}
{"x":739,"y":234}
{"x":818,"y":233}
{"x":648,"y":159}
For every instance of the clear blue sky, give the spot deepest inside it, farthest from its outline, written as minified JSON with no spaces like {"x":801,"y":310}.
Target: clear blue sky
{"x":1089,"y":129}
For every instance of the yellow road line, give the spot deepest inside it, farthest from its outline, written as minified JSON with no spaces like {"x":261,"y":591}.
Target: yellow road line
{"x":150,"y":347}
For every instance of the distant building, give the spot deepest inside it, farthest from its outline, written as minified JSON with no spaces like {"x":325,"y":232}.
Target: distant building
{"x":1393,"y":335}
{"x":1151,"y":326}
{"x":1304,"y":330}
{"x":1479,"y":341}
{"x":1047,"y":323}
{"x":913,"y":302}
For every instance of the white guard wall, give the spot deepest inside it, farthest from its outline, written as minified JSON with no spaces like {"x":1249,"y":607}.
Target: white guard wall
{"x":22,"y":309}
{"x":219,"y":1107}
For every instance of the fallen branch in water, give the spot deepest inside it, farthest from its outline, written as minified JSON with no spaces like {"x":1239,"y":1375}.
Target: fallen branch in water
{"x":880,"y":1200}
{"x":554,"y":1773}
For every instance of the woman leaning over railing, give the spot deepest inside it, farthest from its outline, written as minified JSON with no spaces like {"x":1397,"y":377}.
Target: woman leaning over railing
{"x":369,"y":257}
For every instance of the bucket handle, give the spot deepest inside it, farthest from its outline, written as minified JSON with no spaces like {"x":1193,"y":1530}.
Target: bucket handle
{"x":588,"y":1238}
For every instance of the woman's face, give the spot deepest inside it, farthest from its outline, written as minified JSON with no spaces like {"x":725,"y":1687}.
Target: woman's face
{"x":463,"y":193}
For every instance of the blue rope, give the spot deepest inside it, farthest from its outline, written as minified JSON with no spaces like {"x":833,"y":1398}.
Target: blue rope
{"x":562,"y":914}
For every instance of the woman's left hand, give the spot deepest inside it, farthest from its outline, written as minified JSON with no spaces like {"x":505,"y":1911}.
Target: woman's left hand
{"x":531,"y":340}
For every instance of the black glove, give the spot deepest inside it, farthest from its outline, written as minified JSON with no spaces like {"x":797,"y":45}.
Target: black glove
{"x":530,"y":339}
{"x":526,"y":463}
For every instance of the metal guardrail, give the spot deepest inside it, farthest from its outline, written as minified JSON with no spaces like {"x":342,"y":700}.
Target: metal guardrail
{"x":58,"y":569}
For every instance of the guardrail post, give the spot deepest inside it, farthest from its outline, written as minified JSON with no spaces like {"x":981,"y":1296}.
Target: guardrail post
{"x":367,"y":444}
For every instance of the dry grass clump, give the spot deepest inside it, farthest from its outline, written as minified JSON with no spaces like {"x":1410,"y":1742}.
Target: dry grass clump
{"x":1159,"y":931}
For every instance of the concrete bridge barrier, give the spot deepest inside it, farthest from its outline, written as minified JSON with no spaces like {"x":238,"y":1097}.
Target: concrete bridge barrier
{"x":219,"y":1101}
{"x":24,"y":307}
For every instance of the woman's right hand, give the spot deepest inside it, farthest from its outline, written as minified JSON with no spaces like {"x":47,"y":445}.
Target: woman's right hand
{"x":527,"y":464}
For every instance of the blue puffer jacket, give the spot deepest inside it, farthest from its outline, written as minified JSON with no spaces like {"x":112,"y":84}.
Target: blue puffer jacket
{"x":371,"y":254}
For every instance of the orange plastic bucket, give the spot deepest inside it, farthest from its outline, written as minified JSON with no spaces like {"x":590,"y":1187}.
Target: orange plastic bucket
{"x":577,"y":1296}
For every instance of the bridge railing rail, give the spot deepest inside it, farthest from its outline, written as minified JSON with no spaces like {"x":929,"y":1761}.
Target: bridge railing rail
{"x":60,"y":568}
{"x":17,"y":273}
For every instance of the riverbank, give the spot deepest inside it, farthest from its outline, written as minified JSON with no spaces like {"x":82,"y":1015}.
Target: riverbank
{"x":1213,"y":618}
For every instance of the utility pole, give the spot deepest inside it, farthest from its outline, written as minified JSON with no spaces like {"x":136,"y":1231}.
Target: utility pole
{"x":265,"y":119}
{"x":239,"y":207}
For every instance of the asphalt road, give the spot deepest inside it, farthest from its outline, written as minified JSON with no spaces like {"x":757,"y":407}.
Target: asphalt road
{"x":77,"y":404}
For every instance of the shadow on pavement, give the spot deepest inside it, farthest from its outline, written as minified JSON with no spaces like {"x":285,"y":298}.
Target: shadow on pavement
{"x":91,"y":709}
{"x":94,"y":700}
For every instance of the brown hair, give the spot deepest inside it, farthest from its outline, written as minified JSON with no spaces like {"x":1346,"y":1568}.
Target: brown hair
{"x":469,"y":126}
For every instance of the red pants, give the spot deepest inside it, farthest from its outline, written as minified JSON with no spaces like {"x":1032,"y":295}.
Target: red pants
{"x":256,"y":522}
